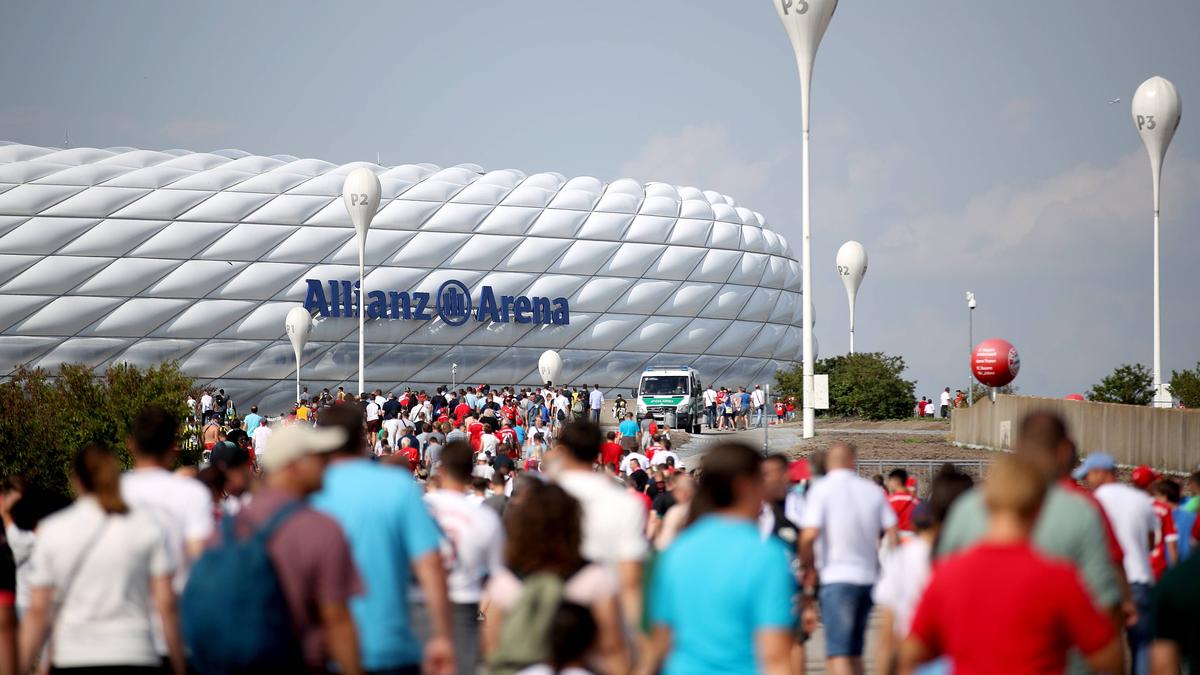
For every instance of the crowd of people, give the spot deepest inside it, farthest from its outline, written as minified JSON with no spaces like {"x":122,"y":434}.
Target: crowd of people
{"x":507,"y":531}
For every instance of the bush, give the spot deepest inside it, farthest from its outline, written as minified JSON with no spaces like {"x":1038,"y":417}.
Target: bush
{"x":866,"y":386}
{"x":44,"y":419}
{"x":1129,"y":384}
{"x":1185,"y":386}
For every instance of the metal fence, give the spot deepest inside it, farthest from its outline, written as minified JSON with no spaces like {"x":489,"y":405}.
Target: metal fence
{"x":922,"y":469}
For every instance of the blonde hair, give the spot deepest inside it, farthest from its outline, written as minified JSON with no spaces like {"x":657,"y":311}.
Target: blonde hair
{"x":1015,"y":484}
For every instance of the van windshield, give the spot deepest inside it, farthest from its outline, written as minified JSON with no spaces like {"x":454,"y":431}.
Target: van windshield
{"x":665,"y":385}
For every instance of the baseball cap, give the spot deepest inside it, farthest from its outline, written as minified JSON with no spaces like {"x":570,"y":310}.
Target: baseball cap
{"x":228,"y":455}
{"x":1101,"y":461}
{"x":289,"y":444}
{"x":1143,"y":476}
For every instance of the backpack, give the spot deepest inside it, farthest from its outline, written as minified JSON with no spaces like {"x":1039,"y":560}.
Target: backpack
{"x":524,"y":639}
{"x":236,"y":578}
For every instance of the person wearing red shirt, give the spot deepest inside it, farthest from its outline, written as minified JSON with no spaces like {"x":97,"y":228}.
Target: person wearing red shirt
{"x":903,"y":502}
{"x":780,"y":411}
{"x":655,"y":446}
{"x":507,"y":433}
{"x":460,"y":412}
{"x":1031,"y":611}
{"x":475,"y":432}
{"x":610,"y":451}
{"x":1166,"y":537}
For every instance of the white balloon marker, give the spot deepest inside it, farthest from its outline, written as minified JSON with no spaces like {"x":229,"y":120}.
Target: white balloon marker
{"x":360,"y":193}
{"x":298,"y":324}
{"x":852,"y":267}
{"x":1156,"y":111}
{"x":550,"y":366}
{"x":805,"y":22}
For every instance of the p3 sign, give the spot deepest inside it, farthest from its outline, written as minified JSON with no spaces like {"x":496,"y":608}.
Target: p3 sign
{"x":797,"y":6}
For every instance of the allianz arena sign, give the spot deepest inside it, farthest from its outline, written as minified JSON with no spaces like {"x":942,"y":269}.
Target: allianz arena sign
{"x":452,"y":304}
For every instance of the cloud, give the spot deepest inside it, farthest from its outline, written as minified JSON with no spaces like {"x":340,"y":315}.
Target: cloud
{"x":1009,"y":228}
{"x":1061,"y":267}
{"x":704,"y":156}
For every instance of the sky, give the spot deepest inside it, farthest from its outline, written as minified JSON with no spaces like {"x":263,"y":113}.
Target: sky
{"x":967,"y":145}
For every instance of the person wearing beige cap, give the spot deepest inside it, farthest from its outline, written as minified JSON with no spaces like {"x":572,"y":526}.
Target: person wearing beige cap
{"x":309,"y":550}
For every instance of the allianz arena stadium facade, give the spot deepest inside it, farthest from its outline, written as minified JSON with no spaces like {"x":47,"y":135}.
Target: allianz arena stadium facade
{"x":124,"y":255}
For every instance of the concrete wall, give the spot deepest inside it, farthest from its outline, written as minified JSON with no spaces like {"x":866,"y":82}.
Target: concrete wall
{"x":1163,"y":438}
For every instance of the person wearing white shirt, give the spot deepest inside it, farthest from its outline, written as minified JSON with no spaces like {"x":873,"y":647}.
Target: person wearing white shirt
{"x":393,"y":428}
{"x":595,"y":403}
{"x":946,"y":403}
{"x":261,"y":434}
{"x":710,"y":406}
{"x":614,"y":521}
{"x":757,"y":400}
{"x":372,"y":412}
{"x":100,"y":570}
{"x":562,"y":405}
{"x":842,"y":520}
{"x":180,"y":507}
{"x":642,"y":460}
{"x":472,"y":544}
{"x":206,"y":406}
{"x":1131,"y":513}
{"x":660,"y":458}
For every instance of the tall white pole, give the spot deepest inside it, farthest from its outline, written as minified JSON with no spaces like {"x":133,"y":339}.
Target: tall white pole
{"x":362,"y":315}
{"x":360,"y":193}
{"x":1156,"y":112}
{"x":970,"y":347}
{"x":805,"y":22}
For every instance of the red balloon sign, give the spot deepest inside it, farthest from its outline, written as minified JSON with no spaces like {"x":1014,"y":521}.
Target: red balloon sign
{"x":1075,"y":397}
{"x":995,"y":362}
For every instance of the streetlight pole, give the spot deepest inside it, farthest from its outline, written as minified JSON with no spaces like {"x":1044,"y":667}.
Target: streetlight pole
{"x":360,"y":193}
{"x":805,"y":22}
{"x":1156,"y":111}
{"x":970,"y":345}
{"x":297,"y":325}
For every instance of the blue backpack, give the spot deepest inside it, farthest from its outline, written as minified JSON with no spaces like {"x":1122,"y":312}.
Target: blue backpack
{"x":233,"y":612}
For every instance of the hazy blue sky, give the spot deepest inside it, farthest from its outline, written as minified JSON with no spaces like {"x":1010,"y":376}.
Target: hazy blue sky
{"x":968,"y":145}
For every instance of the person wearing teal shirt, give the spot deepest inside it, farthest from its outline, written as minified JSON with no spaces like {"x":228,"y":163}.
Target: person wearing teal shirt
{"x":628,"y":427}
{"x":721,"y":598}
{"x":252,"y":421}
{"x":391,"y":534}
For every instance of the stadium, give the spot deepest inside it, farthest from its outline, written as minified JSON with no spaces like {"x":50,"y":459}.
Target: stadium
{"x":124,"y":255}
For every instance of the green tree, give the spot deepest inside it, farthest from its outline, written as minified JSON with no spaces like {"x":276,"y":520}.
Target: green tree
{"x":867,"y":386}
{"x":1129,"y":384}
{"x":1185,"y":386}
{"x":44,"y":419}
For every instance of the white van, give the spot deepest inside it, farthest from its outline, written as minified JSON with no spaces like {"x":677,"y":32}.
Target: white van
{"x":673,"y":394}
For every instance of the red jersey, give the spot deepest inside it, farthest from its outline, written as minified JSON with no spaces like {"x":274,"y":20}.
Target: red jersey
{"x":1166,"y":532}
{"x":610,"y":453}
{"x":507,"y":433}
{"x":780,"y":409}
{"x":1024,"y":619}
{"x":651,"y":450}
{"x":475,"y":431}
{"x":413,"y":455}
{"x":904,"y":504}
{"x":508,"y":412}
{"x":460,"y":411}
